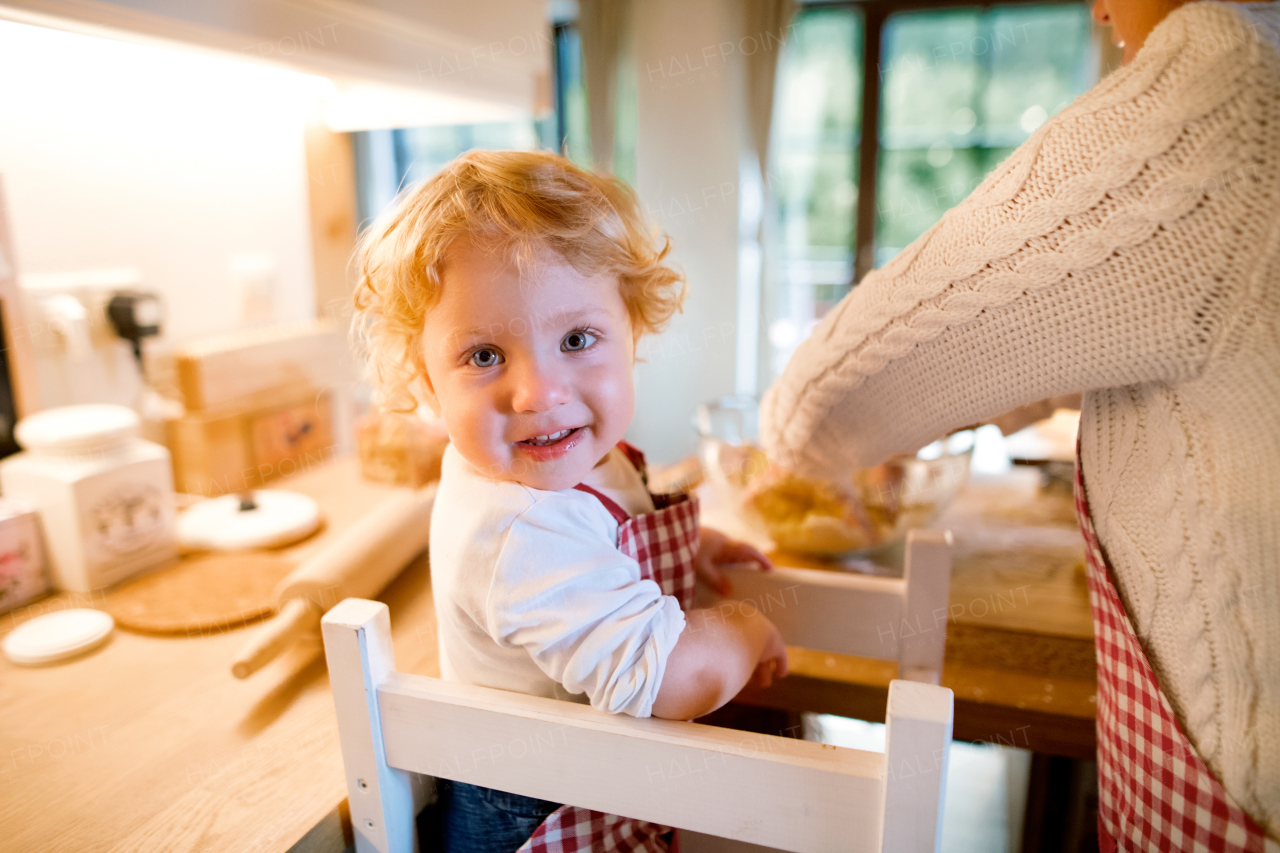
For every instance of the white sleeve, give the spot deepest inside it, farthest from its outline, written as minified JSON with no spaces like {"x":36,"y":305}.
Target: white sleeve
{"x":565,"y":593}
{"x":1112,"y":248}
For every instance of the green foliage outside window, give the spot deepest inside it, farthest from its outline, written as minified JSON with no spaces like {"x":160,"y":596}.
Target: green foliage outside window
{"x":960,"y":88}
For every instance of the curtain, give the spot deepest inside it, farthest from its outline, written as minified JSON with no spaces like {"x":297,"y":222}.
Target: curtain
{"x":600,"y":28}
{"x":764,"y":26}
{"x":601,"y":25}
{"x":766,"y":22}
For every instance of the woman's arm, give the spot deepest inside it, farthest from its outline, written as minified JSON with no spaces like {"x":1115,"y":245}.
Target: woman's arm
{"x":720,"y":651}
{"x":1112,"y":248}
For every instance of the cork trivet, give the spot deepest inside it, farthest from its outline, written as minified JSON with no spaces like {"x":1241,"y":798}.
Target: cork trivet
{"x":201,"y":594}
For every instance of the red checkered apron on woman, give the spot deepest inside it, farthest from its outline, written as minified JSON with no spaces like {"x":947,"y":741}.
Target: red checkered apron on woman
{"x":1154,"y":791}
{"x":664,"y":543}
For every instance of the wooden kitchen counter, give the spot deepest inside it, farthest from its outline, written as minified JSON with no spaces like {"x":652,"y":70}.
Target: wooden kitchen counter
{"x":1019,"y":653}
{"x":150,"y":744}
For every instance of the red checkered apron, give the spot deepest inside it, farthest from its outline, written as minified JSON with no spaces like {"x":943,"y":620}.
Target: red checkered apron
{"x":664,"y":543}
{"x":1154,"y":792}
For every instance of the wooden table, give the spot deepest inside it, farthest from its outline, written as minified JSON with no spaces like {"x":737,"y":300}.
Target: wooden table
{"x":149,"y":743}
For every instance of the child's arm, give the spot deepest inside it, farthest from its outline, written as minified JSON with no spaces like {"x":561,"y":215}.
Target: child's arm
{"x":720,"y":651}
{"x":562,"y":591}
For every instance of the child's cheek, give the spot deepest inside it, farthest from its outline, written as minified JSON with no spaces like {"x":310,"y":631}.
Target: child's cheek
{"x":616,"y":393}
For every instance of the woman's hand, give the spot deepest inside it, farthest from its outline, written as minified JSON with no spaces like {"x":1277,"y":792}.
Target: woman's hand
{"x":716,"y":550}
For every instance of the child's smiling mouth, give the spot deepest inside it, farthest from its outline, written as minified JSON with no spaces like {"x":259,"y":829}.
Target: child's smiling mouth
{"x":546,"y":440}
{"x":545,"y":448}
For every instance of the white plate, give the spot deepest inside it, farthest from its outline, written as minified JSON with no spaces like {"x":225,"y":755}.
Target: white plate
{"x":279,"y":518}
{"x":55,"y":636}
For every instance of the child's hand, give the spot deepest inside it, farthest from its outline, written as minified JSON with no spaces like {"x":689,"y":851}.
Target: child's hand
{"x":716,"y":550}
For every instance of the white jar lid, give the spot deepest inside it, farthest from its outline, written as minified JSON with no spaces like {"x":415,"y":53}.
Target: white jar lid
{"x":274,"y":518}
{"x":55,"y":636}
{"x":77,"y":429}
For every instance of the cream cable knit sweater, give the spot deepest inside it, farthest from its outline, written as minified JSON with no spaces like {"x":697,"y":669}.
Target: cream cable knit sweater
{"x":1129,"y":249}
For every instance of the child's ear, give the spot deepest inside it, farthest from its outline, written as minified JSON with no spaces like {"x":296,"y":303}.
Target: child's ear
{"x":429,"y":396}
{"x":428,"y":390}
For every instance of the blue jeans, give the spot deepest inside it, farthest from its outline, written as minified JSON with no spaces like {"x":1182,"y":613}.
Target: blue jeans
{"x":485,"y":820}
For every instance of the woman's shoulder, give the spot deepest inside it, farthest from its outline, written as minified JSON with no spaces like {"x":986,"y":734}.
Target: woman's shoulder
{"x":1229,"y":21}
{"x":1207,"y":31}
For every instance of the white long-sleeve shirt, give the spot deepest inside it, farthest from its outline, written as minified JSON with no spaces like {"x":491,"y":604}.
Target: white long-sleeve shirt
{"x":532,"y":594}
{"x":1130,"y":249}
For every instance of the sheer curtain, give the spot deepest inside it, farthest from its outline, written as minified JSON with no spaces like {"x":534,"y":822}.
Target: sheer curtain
{"x":765,"y":21}
{"x":765,"y":25}
{"x":601,"y":27}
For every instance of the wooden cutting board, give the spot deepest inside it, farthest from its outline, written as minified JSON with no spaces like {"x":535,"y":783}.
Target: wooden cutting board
{"x":201,"y":594}
{"x":213,"y":593}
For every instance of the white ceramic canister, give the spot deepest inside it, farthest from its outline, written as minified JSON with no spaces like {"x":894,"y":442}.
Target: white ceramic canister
{"x":105,"y":496}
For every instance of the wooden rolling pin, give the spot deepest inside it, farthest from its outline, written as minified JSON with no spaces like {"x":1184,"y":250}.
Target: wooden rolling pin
{"x":359,"y":563}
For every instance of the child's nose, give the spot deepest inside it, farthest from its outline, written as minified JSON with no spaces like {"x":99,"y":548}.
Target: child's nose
{"x":539,"y":388}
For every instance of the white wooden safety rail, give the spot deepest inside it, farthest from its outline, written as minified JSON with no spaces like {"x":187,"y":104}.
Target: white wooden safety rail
{"x":750,"y":788}
{"x":900,"y":619}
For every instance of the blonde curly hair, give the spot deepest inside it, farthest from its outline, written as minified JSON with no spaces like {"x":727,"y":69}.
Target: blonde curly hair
{"x":509,"y":200}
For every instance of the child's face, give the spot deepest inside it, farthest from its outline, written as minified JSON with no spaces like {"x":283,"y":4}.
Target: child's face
{"x":531,"y":374}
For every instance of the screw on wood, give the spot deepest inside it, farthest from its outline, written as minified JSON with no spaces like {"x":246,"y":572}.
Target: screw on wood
{"x":368,"y":824}
{"x":364,"y":786}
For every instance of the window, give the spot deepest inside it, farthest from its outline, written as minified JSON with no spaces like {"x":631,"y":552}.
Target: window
{"x":573,"y":130}
{"x":960,"y":89}
{"x":388,"y":160}
{"x":917,"y":104}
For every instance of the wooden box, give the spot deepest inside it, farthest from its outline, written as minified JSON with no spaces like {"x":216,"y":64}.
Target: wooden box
{"x":250,"y":367}
{"x":236,"y":448}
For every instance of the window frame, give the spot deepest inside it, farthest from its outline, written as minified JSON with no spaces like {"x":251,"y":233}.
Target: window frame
{"x":559,"y":35}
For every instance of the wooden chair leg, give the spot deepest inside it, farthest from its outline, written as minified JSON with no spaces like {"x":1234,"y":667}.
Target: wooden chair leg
{"x":357,"y":643}
{"x":917,"y":751}
{"x":923,"y":633}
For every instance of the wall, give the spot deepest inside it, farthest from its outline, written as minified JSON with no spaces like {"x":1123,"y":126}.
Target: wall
{"x":182,"y":165}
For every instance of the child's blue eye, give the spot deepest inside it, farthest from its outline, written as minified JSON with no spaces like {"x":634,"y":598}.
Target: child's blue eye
{"x":485,"y":358}
{"x":576,"y":341}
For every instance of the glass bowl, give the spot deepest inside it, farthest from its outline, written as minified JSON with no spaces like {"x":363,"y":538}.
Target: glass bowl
{"x":873,"y":509}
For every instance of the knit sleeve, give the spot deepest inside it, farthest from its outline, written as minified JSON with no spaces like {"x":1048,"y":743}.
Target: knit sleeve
{"x":1110,"y":249}
{"x":564,"y":593}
